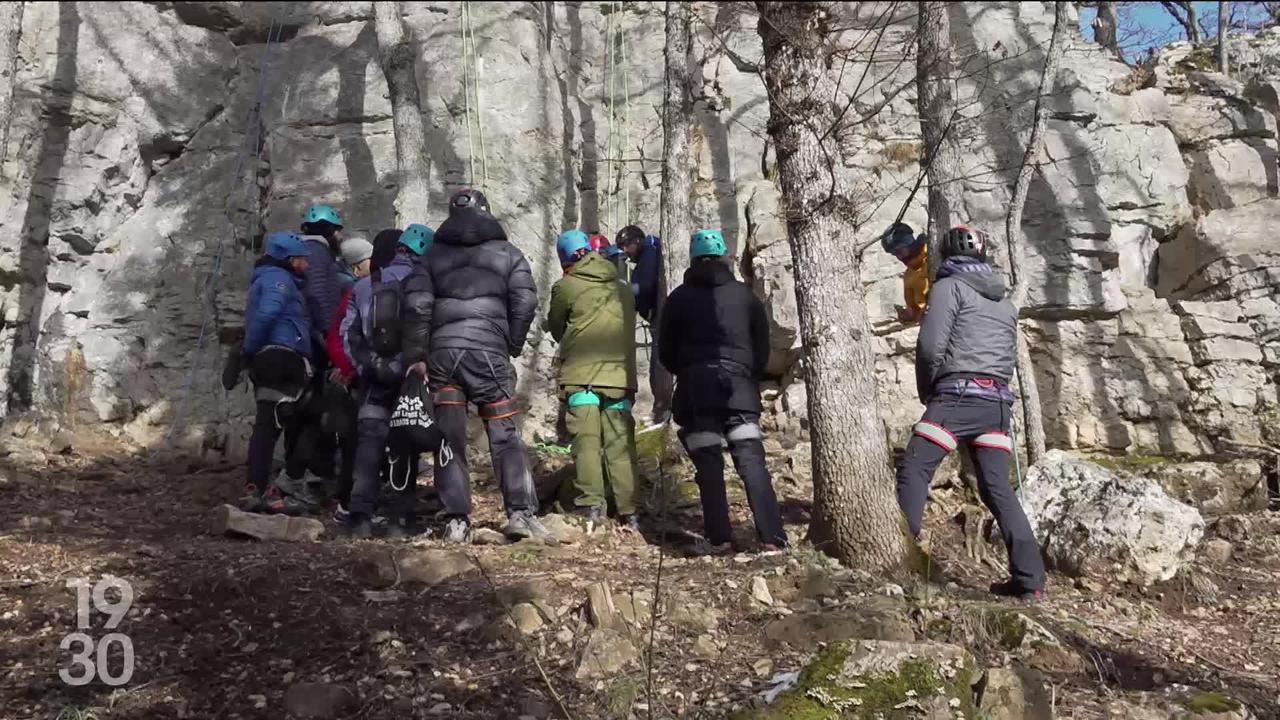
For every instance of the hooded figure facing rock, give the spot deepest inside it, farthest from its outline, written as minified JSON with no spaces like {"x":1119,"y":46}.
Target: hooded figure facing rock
{"x":466,"y":314}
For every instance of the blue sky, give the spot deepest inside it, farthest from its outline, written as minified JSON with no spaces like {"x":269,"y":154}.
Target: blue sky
{"x":1144,"y":25}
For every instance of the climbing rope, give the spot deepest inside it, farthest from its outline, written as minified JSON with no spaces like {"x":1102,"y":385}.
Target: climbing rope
{"x":611,"y":206}
{"x":471,"y":68}
{"x":253,"y":130}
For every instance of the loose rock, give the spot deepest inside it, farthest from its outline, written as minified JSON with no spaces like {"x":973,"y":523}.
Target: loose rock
{"x":228,"y":520}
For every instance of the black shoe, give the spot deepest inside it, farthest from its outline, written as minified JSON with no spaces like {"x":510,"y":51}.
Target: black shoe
{"x":359,"y":526}
{"x":1011,"y":589}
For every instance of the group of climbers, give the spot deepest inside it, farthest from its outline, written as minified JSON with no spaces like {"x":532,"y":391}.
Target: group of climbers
{"x":453,"y":307}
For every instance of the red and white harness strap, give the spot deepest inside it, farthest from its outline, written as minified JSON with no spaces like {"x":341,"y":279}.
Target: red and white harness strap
{"x":935,"y":434}
{"x":995,"y":441}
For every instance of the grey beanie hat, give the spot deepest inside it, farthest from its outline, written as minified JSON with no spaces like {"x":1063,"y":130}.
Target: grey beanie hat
{"x":356,"y":250}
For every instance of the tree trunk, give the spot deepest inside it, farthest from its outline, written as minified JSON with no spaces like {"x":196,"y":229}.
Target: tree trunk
{"x":1105,"y":27}
{"x":397,"y":55}
{"x":855,"y":515}
{"x":1224,"y":21}
{"x":10,"y":33}
{"x":935,"y":78}
{"x":1033,"y":420}
{"x":1193,"y":23}
{"x":675,"y":222}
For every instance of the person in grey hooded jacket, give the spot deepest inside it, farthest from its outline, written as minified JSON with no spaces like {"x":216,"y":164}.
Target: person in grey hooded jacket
{"x":965,"y":357}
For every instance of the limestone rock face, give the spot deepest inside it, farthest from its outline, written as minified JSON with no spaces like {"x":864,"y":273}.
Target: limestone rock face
{"x":142,"y":172}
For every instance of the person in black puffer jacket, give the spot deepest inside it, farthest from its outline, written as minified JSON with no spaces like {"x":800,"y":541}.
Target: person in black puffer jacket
{"x":714,"y":338}
{"x":965,"y":357}
{"x":466,"y":313}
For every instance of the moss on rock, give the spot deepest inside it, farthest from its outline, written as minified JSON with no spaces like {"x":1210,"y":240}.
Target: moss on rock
{"x":872,"y":679}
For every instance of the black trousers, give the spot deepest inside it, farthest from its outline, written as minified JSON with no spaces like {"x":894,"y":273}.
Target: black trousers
{"x":271,"y":421}
{"x":704,"y":437}
{"x":982,"y":426}
{"x":484,"y":379}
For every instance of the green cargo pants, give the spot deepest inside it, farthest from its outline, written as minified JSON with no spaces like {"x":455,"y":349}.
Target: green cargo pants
{"x":604,"y":446}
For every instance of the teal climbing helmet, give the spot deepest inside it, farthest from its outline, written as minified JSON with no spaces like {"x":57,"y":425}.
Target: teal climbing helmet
{"x":322,"y":213}
{"x":418,"y":238}
{"x":707,"y":243}
{"x":571,"y":245}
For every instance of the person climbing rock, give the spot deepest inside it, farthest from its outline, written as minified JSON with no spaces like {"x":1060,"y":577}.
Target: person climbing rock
{"x":371,"y":332}
{"x":277,"y":349}
{"x":965,"y":356}
{"x":593,"y":318}
{"x":714,"y":338}
{"x":912,"y":250}
{"x":466,"y":313}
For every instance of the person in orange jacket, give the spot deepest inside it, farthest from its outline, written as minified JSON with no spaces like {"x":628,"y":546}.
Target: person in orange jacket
{"x":913,"y":250}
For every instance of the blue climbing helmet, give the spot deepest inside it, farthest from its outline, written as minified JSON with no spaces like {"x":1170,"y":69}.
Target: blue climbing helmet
{"x":418,"y":238}
{"x":900,"y":237}
{"x":707,"y":243}
{"x":571,"y":245}
{"x":322,"y":213}
{"x":283,"y":245}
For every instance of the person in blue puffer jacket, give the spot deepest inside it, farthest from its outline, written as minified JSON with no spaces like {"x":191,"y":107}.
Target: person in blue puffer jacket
{"x":277,"y":348}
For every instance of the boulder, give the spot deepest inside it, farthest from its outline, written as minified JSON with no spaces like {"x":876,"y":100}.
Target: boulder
{"x":228,"y":520}
{"x":1091,"y":520}
{"x":1013,"y":693}
{"x":525,"y":618}
{"x":607,"y":653}
{"x":871,"y":678}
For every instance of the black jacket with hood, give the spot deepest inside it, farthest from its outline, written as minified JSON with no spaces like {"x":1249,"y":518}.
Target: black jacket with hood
{"x":714,"y":337}
{"x":474,"y":291}
{"x":969,"y":328}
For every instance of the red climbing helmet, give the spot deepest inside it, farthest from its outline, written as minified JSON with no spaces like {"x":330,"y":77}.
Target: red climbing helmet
{"x":597,"y":242}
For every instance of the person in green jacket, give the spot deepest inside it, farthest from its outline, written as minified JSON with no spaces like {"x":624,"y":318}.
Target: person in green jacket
{"x":593,"y":317}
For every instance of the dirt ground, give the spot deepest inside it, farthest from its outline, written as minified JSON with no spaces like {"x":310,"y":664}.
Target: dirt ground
{"x":223,"y":627}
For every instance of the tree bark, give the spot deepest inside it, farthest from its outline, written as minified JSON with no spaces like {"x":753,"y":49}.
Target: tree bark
{"x":1224,"y":21}
{"x":1033,"y":420}
{"x":675,"y":223}
{"x":398,"y":56}
{"x":935,"y":79}
{"x":10,"y":33}
{"x":855,"y":514}
{"x":1105,"y":27}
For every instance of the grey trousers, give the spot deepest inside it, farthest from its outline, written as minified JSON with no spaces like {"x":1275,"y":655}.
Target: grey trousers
{"x":982,"y":426}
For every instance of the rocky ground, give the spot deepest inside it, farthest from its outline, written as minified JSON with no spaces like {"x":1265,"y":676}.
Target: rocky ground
{"x":234,"y":628}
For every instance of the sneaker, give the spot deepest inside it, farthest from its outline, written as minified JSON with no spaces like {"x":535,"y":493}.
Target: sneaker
{"x":341,"y":515}
{"x":457,"y":531}
{"x":771,"y":548}
{"x":523,"y":524}
{"x":251,"y":501}
{"x":629,"y":523}
{"x":1011,"y":589}
{"x":297,"y":489}
{"x":278,"y":503}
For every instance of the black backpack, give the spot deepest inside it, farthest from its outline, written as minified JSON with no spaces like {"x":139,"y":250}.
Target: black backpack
{"x":385,"y":311}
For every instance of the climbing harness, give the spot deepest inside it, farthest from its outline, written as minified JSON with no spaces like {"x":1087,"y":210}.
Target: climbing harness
{"x":471,"y":68}
{"x":253,"y":119}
